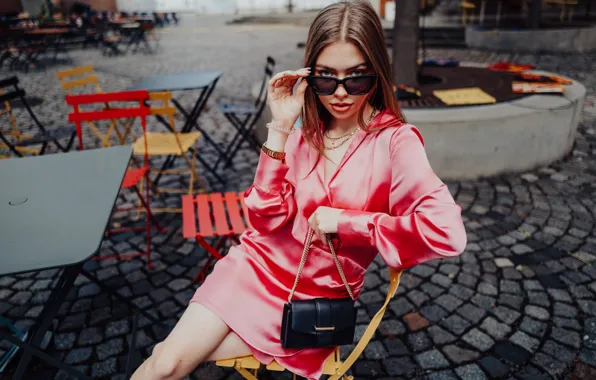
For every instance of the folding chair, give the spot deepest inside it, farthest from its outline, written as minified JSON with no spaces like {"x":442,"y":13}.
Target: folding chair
{"x":248,"y":366}
{"x":82,"y":79}
{"x":171,"y":143}
{"x":13,"y":350}
{"x":215,"y":215}
{"x":37,"y":143}
{"x":244,"y":116}
{"x":133,"y":176}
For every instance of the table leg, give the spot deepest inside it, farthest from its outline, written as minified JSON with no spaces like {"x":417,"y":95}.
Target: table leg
{"x":238,"y":125}
{"x":42,"y":355}
{"x":243,"y":135}
{"x":112,"y":292}
{"x":191,"y":119}
{"x":65,"y":282}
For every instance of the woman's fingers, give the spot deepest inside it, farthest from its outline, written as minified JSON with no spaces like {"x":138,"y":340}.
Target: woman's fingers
{"x":301,"y":89}
{"x":288,"y":78}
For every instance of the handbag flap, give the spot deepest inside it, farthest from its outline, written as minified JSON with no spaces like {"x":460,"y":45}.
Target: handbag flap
{"x":336,"y":313}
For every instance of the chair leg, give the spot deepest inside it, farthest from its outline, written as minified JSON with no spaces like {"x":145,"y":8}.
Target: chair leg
{"x":248,"y":375}
{"x":214,"y":254}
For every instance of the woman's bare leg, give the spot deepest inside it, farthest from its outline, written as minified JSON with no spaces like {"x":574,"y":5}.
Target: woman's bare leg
{"x":196,"y":335}
{"x":231,"y":347}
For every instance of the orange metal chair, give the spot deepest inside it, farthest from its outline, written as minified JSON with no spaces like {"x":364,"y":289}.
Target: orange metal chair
{"x":214,"y":215}
{"x":82,"y":80}
{"x":134,"y":176}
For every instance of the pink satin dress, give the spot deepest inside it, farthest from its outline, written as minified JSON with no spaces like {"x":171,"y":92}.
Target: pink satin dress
{"x":394,"y":205}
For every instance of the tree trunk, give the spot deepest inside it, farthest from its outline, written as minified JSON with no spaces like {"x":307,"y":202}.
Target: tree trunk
{"x":405,"y":43}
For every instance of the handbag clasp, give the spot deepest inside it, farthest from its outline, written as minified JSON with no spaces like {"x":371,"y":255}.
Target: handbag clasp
{"x":332,"y":328}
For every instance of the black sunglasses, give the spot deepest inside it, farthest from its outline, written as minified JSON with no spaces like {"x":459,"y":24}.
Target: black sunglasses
{"x":358,"y":85}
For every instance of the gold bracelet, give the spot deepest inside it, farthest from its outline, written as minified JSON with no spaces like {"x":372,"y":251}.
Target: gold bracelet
{"x":273,"y":154}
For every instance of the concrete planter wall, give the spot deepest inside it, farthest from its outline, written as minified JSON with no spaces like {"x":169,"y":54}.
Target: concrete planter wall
{"x":481,"y":141}
{"x":564,"y":40}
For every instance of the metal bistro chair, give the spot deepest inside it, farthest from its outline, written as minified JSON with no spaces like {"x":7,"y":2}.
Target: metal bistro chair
{"x":171,"y":143}
{"x":82,"y":79}
{"x":21,"y":144}
{"x":217,"y":216}
{"x":248,"y":366}
{"x":244,"y":116}
{"x":134,"y":176}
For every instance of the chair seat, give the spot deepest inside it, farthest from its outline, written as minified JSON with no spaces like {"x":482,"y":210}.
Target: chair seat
{"x":165,"y":143}
{"x":133,"y":177}
{"x":53,"y":134}
{"x":205,"y":215}
{"x":250,"y":362}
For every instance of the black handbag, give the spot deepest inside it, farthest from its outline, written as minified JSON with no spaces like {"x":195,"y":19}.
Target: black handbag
{"x":320,"y":322}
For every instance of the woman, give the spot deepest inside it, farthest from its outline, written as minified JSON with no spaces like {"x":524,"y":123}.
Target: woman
{"x":355,"y":171}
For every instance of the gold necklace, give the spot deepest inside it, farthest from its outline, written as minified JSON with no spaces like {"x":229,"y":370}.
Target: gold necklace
{"x":334,"y":140}
{"x":339,"y":137}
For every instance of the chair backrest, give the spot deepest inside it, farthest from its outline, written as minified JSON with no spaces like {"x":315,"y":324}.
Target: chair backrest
{"x":114,"y":112}
{"x":78,"y":77}
{"x":262,"y":97}
{"x":10,"y":91}
{"x":138,"y":96}
{"x":164,"y":109}
{"x":261,"y":100}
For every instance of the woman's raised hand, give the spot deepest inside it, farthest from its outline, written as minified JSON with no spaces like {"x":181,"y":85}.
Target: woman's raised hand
{"x":284,"y":104}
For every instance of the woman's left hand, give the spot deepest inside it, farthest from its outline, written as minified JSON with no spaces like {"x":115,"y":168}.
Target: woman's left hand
{"x":324,"y":221}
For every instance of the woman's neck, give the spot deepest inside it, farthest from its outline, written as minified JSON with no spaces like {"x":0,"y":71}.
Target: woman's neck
{"x":340,"y":127}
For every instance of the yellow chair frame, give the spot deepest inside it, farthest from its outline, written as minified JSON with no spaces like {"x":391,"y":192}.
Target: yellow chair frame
{"x":248,"y":366}
{"x":15,"y":132}
{"x":563,"y":4}
{"x":87,"y":77}
{"x":170,"y":143}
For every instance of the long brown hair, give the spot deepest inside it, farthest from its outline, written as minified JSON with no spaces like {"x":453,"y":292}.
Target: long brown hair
{"x":358,"y":23}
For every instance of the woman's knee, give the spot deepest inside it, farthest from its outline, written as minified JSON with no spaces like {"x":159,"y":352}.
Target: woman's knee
{"x":164,"y":365}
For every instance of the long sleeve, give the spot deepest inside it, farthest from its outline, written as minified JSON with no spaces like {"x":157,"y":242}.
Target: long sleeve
{"x":423,"y":222}
{"x":270,"y":199}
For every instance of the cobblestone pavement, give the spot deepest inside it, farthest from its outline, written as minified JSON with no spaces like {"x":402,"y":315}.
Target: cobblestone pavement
{"x":515,"y":305}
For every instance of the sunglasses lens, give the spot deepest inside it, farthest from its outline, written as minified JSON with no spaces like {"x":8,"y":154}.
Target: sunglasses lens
{"x":359,"y":86}
{"x":322,"y":86}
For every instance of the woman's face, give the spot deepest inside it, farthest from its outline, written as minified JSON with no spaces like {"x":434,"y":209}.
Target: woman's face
{"x":342,"y":60}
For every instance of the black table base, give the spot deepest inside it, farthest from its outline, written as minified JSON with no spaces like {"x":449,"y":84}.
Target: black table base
{"x":64,"y":284}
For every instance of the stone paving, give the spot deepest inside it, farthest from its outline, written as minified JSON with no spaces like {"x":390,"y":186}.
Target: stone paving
{"x":518,"y":304}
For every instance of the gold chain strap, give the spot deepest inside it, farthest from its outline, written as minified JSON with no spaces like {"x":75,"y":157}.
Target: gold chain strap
{"x":303,"y":261}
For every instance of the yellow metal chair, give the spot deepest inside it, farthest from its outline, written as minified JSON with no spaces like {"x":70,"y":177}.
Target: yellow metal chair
{"x":563,"y":4}
{"x":83,"y":79}
{"x":15,"y":133}
{"x":170,"y":144}
{"x":248,"y":366}
{"x":467,"y":8}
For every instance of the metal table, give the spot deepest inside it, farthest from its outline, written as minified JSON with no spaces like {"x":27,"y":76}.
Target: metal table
{"x":54,"y":210}
{"x":201,"y":80}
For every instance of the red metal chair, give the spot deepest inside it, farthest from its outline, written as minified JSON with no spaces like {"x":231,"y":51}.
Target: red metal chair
{"x":133,"y":176}
{"x":214,"y":215}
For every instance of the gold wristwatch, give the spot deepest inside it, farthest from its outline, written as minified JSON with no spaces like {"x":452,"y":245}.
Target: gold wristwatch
{"x":273,"y":154}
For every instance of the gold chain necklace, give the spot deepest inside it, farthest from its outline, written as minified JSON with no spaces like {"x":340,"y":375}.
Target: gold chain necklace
{"x":335,"y":144}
